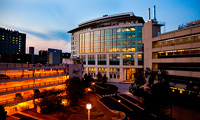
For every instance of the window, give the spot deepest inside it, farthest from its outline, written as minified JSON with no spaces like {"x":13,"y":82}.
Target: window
{"x":118,"y":76}
{"x":140,"y":59}
{"x":91,"y":60}
{"x":114,"y":75}
{"x":83,"y":57}
{"x":101,"y":59}
{"x":114,"y":59}
{"x":139,"y":42}
{"x":128,"y":59}
{"x":110,"y":75}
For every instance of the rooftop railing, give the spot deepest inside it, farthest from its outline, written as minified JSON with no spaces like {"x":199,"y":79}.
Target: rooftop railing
{"x":31,"y":75}
{"x":21,"y":65}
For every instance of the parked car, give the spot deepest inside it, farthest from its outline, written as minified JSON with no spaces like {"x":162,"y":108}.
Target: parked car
{"x":2,"y":76}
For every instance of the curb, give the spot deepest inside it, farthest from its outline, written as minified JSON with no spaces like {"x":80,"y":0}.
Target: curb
{"x":101,"y":87}
{"x":131,"y":102}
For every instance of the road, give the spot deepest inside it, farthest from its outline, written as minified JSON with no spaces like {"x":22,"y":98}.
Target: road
{"x":110,"y":99}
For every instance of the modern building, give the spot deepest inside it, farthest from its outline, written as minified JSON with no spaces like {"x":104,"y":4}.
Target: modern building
{"x":31,"y":52}
{"x":54,"y":56}
{"x":43,"y":53}
{"x":19,"y":81}
{"x":177,"y":51}
{"x":12,"y":42}
{"x":54,"y":50}
{"x":110,"y":45}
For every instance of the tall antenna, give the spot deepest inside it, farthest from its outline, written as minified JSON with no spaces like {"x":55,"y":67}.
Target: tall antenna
{"x":149,"y":17}
{"x":154,"y":12}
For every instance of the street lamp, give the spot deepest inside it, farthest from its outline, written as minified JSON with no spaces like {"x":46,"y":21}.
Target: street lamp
{"x":119,"y":101}
{"x":88,"y":106}
{"x":65,"y":103}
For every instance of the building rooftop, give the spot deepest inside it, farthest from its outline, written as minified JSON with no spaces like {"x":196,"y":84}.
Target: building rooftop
{"x":107,"y":19}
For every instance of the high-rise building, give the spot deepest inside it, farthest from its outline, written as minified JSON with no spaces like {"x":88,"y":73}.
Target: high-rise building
{"x":110,"y":45}
{"x":12,"y":42}
{"x":31,"y":52}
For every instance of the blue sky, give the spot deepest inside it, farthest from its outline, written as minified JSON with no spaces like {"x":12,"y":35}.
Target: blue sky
{"x":46,"y":22}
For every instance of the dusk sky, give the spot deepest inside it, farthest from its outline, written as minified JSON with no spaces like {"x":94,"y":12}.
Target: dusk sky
{"x":46,"y":22}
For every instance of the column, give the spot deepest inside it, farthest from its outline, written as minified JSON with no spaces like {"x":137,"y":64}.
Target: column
{"x":121,"y":74}
{"x":121,"y":59}
{"x":108,"y":74}
{"x":107,"y":59}
{"x":86,"y":59}
{"x":96,"y":59}
{"x":136,"y":59}
{"x":22,"y":73}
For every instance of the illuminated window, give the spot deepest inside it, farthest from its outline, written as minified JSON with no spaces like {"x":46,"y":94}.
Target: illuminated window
{"x":119,"y":30}
{"x":139,"y":42}
{"x":132,"y":29}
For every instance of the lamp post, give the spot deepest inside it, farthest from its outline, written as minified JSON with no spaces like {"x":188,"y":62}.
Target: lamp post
{"x":65,"y":103}
{"x":88,"y":90}
{"x":119,"y":101}
{"x":89,"y":106}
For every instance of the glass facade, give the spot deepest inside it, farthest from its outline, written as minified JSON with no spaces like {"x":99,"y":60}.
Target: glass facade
{"x":126,"y":39}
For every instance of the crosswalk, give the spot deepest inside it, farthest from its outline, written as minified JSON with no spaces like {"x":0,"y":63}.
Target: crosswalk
{"x":108,"y":95}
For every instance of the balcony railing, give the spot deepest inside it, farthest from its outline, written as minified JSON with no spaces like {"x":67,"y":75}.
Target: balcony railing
{"x":14,"y":99}
{"x":2,"y":90}
{"x":31,"y":75}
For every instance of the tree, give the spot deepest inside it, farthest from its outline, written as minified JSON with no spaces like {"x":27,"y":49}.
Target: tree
{"x":99,"y":77}
{"x":74,"y":89}
{"x":104,"y":79}
{"x":139,"y":79}
{"x":87,"y":79}
{"x":2,"y":113}
{"x":135,"y":87}
{"x":158,"y":100}
{"x":151,"y":75}
{"x":49,"y":100}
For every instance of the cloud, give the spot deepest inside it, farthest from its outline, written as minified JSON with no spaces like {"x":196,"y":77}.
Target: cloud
{"x":43,"y":44}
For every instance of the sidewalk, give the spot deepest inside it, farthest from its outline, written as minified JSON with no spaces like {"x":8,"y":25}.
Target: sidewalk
{"x":94,"y":98}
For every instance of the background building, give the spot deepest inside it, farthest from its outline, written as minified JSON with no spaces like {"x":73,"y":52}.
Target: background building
{"x":110,"y":45}
{"x":54,"y":56}
{"x":12,"y":42}
{"x":177,"y":51}
{"x":31,"y":52}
